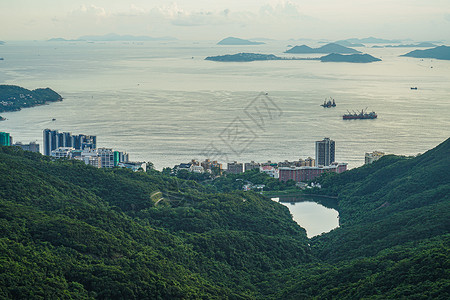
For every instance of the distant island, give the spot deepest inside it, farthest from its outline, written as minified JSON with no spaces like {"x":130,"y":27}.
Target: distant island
{"x":349,"y":44}
{"x":372,"y":40}
{"x":248,"y":57}
{"x":419,"y":45}
{"x":441,"y":52}
{"x":113,"y":37}
{"x":243,"y":57}
{"x":237,"y":41}
{"x":13,"y":98}
{"x":328,"y":48}
{"x":352,"y":58}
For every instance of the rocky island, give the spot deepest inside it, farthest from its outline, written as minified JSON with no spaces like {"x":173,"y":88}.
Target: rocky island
{"x":352,"y":58}
{"x":328,"y":48}
{"x":441,"y":52}
{"x":237,"y":41}
{"x":13,"y":98}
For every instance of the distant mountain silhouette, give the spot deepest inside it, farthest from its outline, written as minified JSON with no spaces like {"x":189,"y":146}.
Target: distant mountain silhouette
{"x":328,"y":48}
{"x":352,"y":58}
{"x":59,"y":40}
{"x":441,"y":52}
{"x":237,"y":41}
{"x":372,"y":40}
{"x":420,"y":45}
{"x":112,"y":37}
{"x":349,"y":44}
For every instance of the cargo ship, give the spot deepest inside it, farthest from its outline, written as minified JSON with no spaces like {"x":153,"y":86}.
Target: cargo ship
{"x":361,"y":115}
{"x":329,"y":103}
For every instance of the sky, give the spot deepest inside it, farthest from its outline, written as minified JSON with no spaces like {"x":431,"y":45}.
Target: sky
{"x":419,"y":20}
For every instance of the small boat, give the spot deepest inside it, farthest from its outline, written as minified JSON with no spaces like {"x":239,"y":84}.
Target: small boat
{"x":414,"y":88}
{"x":53,"y":119}
{"x":329,"y":103}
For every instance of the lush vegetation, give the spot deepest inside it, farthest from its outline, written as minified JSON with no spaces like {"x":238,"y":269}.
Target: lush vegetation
{"x":229,"y":182}
{"x":72,"y":231}
{"x":14,"y":98}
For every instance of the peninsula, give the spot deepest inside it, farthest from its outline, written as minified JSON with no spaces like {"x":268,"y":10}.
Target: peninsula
{"x":237,"y":41}
{"x":328,"y":48}
{"x":13,"y":98}
{"x":441,"y":52}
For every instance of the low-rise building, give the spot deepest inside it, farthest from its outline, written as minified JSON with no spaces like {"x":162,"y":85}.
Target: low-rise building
{"x":251,"y":165}
{"x":62,"y":152}
{"x":303,"y":174}
{"x":209,"y":166}
{"x":107,"y":157}
{"x":371,"y":157}
{"x":196,"y":169}
{"x":269,"y":170}
{"x":135,"y":166}
{"x":235,"y":168}
{"x":32,"y":146}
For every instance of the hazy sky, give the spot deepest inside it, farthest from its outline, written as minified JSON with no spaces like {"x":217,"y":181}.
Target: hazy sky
{"x":201,"y":19}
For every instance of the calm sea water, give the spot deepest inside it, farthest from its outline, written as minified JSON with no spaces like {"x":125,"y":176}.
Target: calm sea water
{"x":162,"y":102}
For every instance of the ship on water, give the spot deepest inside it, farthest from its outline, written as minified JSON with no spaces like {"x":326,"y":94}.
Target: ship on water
{"x":329,"y":103}
{"x":362,"y":115}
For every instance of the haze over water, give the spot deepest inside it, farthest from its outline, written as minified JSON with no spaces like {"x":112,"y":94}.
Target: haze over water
{"x":162,"y":102}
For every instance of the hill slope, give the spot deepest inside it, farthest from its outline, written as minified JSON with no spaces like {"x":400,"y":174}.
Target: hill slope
{"x":73,"y":231}
{"x":70,"y":229}
{"x":393,"y":201}
{"x":14,"y":98}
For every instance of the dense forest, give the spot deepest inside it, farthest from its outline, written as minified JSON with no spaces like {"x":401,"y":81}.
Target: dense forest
{"x":13,"y":98}
{"x":76,"y":232}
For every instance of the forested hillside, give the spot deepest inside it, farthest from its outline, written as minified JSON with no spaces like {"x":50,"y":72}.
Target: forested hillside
{"x":72,"y":231}
{"x":14,"y":97}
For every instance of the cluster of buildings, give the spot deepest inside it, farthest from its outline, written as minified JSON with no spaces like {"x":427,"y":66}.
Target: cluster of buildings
{"x":325,"y":163}
{"x":81,"y":147}
{"x":301,"y":170}
{"x":7,"y":140}
{"x":84,"y":147}
{"x":208,"y":166}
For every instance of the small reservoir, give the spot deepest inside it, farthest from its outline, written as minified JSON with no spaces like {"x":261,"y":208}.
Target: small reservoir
{"x":307,"y":211}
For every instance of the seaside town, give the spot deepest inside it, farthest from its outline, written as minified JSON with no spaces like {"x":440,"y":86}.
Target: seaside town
{"x":84,"y":148}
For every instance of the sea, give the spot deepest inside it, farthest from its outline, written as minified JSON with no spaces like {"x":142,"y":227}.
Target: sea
{"x":162,"y":102}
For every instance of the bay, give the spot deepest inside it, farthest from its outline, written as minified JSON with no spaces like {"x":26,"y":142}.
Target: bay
{"x":162,"y":102}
